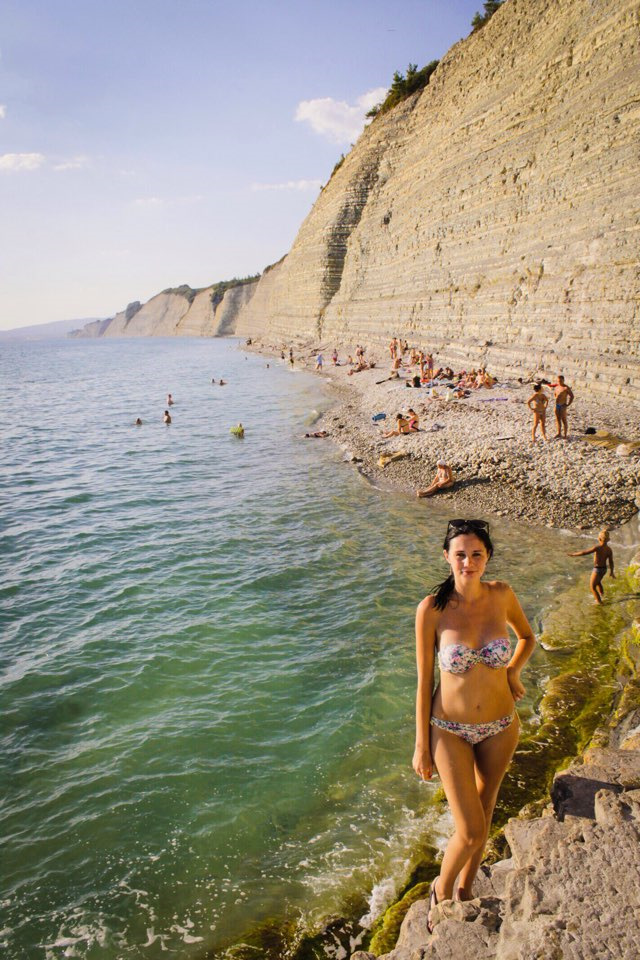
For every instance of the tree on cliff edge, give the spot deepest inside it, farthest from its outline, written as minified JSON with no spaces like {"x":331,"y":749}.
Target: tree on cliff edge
{"x":403,"y":86}
{"x":490,"y":7}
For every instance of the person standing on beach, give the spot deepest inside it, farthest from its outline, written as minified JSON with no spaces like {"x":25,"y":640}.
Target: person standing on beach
{"x":564,"y":398}
{"x":468,"y":727}
{"x":602,"y":554}
{"x":319,"y":362}
{"x":538,"y":402}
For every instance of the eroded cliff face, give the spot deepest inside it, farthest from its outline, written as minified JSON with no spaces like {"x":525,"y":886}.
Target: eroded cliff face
{"x":205,"y":313}
{"x":494,"y":217}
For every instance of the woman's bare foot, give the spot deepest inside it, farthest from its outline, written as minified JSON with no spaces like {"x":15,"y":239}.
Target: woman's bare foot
{"x":433,"y":902}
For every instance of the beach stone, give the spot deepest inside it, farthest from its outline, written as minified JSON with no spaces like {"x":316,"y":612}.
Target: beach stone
{"x":569,"y":892}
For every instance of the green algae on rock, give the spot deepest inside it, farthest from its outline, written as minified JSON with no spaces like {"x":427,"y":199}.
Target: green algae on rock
{"x":601,"y":654}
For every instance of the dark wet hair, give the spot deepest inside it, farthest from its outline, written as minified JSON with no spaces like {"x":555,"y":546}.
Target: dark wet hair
{"x":480,"y":529}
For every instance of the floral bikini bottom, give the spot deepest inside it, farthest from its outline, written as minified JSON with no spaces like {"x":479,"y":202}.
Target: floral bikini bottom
{"x":474,"y":732}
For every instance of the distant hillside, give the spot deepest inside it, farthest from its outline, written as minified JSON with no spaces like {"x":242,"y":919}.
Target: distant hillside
{"x":179,"y":312}
{"x":45,"y":331}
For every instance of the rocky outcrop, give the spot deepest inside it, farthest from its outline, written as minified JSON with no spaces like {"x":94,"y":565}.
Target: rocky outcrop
{"x":183,"y":312}
{"x":227,"y":311}
{"x":569,"y":890}
{"x":494,"y":216}
{"x":95,"y":328}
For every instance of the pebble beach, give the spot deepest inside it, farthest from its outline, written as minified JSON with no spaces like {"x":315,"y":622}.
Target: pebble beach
{"x":582,"y":482}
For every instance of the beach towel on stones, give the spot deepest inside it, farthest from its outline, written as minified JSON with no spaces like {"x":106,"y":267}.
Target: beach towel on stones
{"x":609,"y":441}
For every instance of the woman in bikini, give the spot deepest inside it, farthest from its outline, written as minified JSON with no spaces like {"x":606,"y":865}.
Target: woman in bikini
{"x":468,"y":728}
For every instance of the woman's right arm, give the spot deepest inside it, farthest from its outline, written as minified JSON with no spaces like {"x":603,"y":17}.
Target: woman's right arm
{"x":425,"y":654}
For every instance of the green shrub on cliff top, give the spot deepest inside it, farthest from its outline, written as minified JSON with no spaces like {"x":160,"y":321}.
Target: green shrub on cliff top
{"x":479,"y":19}
{"x":403,"y":86}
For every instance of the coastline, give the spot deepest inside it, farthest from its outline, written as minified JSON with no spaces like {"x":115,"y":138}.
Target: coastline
{"x":571,"y":484}
{"x":486,"y":438}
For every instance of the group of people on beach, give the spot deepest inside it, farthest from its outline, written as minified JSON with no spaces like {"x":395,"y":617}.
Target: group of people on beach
{"x":538,"y":402}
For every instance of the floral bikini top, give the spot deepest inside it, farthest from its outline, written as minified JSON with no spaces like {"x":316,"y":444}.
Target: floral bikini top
{"x":458,"y":657}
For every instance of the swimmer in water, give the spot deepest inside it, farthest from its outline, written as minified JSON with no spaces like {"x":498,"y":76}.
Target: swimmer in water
{"x":167,"y":417}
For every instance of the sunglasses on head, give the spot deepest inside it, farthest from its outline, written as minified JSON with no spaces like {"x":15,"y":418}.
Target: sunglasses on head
{"x":468,"y":525}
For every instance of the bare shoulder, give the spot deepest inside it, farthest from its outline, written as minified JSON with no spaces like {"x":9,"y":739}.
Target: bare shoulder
{"x":427,"y":607}
{"x":499,"y":588}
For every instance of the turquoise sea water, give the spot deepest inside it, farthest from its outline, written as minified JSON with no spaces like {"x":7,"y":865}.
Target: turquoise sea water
{"x":207,"y":660}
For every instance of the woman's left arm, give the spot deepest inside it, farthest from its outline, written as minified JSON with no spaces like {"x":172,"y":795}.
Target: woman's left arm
{"x":524,"y":647}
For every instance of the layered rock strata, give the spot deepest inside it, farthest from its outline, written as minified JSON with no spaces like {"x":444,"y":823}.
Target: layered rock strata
{"x":494,"y":216}
{"x":173,"y":313}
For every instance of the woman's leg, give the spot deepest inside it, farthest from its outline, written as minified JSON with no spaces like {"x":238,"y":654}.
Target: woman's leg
{"x":455,"y":762}
{"x":492,"y":758}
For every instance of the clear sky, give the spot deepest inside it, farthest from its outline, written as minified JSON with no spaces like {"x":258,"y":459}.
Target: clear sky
{"x":149,"y":143}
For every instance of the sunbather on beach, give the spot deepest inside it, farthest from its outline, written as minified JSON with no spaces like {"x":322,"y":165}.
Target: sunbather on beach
{"x":484,"y":379}
{"x":602,"y":554}
{"x":413,"y":420}
{"x":317,"y":433}
{"x":538,"y":402}
{"x":443,"y":480}
{"x":402,"y":426}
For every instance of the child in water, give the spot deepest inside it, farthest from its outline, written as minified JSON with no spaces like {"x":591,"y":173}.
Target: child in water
{"x":602,"y":554}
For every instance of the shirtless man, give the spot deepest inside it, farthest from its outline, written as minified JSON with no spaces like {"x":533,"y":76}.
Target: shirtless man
{"x":538,"y":402}
{"x":602,"y":554}
{"x":167,"y":417}
{"x":564,"y":399}
{"x":443,"y":480}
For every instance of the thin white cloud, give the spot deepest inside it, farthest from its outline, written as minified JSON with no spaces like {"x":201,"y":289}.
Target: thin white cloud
{"x":337,"y":120}
{"x":149,"y":202}
{"x":154,"y":203}
{"x":3,"y":111}
{"x":74,"y":163}
{"x":288,"y":185}
{"x":21,"y":161}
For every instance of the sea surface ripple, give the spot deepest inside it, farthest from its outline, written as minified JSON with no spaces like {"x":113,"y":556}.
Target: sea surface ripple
{"x":206,"y":664}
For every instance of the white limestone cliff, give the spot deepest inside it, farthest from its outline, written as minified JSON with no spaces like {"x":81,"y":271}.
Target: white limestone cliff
{"x":493,"y":217}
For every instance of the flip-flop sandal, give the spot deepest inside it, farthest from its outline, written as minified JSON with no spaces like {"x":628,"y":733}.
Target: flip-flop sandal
{"x":433,"y":902}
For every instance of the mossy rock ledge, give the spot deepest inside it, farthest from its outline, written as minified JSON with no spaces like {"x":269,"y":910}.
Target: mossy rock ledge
{"x":567,"y":884}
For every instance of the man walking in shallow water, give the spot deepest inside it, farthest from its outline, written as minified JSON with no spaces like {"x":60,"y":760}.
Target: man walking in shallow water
{"x":564,"y":399}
